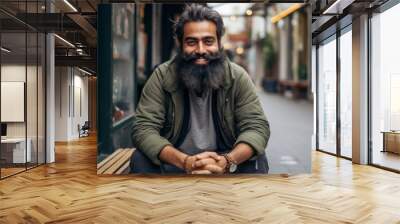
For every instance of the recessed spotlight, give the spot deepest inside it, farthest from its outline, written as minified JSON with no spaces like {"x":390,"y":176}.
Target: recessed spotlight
{"x":5,"y":50}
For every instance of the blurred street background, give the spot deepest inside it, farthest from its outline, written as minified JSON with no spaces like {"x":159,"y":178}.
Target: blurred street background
{"x":271,"y":42}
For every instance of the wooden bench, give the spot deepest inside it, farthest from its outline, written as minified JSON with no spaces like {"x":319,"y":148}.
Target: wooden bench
{"x":116,"y":163}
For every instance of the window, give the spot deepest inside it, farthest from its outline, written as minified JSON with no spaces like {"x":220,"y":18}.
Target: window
{"x":385,"y":88}
{"x":346,"y":93}
{"x":327,"y":95}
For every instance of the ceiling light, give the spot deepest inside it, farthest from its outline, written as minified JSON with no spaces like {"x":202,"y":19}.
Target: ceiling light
{"x":337,"y":7}
{"x":70,"y":5}
{"x":65,"y":41}
{"x":5,"y":50}
{"x":84,"y":71}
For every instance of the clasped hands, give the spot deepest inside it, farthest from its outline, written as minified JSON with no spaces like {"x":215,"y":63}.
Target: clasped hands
{"x":205,"y":163}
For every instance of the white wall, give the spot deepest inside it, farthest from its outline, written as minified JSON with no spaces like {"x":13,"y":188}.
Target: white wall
{"x":80,"y":83}
{"x":62,"y":81}
{"x":12,"y":73}
{"x":71,"y":87}
{"x":16,"y":73}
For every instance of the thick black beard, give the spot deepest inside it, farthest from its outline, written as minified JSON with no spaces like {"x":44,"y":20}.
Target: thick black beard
{"x":201,"y":78}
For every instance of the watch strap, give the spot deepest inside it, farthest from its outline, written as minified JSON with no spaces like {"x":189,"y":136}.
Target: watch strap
{"x":230,"y":162}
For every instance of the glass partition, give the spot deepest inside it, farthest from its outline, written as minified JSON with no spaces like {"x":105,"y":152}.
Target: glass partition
{"x":23,"y":90}
{"x":14,"y":153}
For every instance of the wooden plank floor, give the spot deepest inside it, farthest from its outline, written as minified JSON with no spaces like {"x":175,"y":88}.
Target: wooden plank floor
{"x":69,"y":191}
{"x":10,"y":171}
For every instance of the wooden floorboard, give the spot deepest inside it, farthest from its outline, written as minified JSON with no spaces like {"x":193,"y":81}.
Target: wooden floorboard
{"x":70,"y":191}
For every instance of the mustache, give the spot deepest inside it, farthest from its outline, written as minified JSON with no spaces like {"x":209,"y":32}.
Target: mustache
{"x":189,"y":57}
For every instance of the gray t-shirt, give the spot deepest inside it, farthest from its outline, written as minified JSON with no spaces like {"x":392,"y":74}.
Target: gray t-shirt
{"x":201,"y":135}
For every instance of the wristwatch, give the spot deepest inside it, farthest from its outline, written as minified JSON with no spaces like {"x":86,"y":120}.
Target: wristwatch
{"x":232,"y":164}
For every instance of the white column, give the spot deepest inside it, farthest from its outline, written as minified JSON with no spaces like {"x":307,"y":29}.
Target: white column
{"x":360,"y":90}
{"x":50,"y":92}
{"x":50,"y":99}
{"x":314,"y":94}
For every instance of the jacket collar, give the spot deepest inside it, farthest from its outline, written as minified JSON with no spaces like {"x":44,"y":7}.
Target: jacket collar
{"x":172,"y":82}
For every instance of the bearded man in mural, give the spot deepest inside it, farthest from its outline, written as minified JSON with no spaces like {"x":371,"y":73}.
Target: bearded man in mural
{"x":199,"y":112}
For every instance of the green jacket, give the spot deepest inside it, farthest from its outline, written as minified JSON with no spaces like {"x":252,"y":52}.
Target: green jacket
{"x":162,"y":114}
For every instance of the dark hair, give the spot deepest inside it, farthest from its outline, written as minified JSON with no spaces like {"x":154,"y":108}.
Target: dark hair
{"x":197,"y":12}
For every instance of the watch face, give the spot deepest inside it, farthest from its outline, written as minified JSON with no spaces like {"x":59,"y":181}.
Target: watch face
{"x":232,"y":168}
